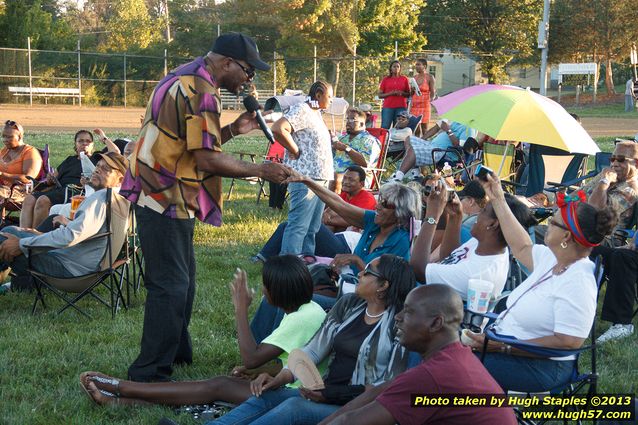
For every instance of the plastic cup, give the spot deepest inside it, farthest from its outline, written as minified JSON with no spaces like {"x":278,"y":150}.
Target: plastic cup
{"x":479,"y":293}
{"x":75,"y":203}
{"x":466,"y":340}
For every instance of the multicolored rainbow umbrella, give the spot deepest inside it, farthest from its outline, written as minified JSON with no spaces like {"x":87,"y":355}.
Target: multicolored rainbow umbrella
{"x":516,"y":114}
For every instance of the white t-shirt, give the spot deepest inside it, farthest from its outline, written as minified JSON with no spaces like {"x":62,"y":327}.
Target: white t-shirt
{"x":563,"y":304}
{"x":464,"y":263}
{"x":310,"y":133}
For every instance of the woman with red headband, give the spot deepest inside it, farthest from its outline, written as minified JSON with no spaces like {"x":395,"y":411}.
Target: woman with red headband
{"x":555,"y":306}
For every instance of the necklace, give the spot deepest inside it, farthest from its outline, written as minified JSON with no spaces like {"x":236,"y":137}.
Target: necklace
{"x":374,"y":316}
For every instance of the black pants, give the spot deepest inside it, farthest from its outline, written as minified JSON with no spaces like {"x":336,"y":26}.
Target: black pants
{"x":621,"y":270}
{"x":169,"y":261}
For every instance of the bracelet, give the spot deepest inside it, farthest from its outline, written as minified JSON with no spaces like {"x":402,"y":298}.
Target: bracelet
{"x":230,"y":130}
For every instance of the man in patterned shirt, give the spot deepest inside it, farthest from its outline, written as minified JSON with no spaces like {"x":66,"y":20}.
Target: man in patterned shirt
{"x":356,"y":147}
{"x":175,"y":176}
{"x":617,"y":187}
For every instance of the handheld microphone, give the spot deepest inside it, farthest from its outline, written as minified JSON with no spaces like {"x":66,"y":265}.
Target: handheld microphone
{"x":251,"y":105}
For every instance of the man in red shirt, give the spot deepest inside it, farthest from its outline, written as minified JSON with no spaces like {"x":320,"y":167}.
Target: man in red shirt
{"x":428,"y":324}
{"x":353,"y":193}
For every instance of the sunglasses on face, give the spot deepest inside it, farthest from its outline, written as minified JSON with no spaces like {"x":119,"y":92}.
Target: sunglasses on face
{"x":553,"y":222}
{"x":250,"y":72}
{"x":619,"y":158}
{"x":387,"y":205}
{"x":370,"y":271}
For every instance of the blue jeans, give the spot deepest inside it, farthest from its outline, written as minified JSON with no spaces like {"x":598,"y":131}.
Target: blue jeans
{"x":281,"y":406}
{"x":327,"y":244}
{"x":304,"y":220}
{"x":527,"y":374}
{"x":42,"y":262}
{"x":389,"y":116}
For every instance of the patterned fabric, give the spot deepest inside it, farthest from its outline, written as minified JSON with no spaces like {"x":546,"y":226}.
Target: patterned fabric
{"x":380,"y":358}
{"x":621,"y":198}
{"x":364,"y":143}
{"x":421,"y":104}
{"x":310,"y":133}
{"x":182,"y":116}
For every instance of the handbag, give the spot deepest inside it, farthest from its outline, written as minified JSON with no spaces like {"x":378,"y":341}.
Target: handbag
{"x":324,"y":279}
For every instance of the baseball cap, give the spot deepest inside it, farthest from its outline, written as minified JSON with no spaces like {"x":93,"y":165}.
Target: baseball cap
{"x":366,"y":107}
{"x":239,"y":46}
{"x":115,"y":161}
{"x":473,"y":190}
{"x":403,"y":114}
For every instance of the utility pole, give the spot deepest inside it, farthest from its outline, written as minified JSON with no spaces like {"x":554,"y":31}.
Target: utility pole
{"x":168,"y":22}
{"x":543,"y":35}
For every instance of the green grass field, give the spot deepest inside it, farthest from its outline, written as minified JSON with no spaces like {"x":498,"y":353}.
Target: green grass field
{"x":42,"y":355}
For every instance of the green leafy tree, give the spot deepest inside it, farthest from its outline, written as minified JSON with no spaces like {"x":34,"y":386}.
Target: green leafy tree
{"x":131,"y":26}
{"x":497,"y":31}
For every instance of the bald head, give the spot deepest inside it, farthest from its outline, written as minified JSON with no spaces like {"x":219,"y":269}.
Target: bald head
{"x":430,"y":319}
{"x":437,"y":299}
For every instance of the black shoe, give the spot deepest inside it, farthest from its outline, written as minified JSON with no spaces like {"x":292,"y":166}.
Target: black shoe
{"x":166,"y":421}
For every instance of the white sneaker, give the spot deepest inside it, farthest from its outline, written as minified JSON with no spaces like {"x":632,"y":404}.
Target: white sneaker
{"x":616,"y":331}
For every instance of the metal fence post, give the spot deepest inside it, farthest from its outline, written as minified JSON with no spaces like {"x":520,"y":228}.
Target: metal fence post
{"x":30,"y":74}
{"x":560,"y":91}
{"x":314,"y":75}
{"x":577,"y":94}
{"x":396,"y":50}
{"x":165,"y":63}
{"x":79,"y":75}
{"x":125,"y":79}
{"x":354,"y":75}
{"x":274,"y":73}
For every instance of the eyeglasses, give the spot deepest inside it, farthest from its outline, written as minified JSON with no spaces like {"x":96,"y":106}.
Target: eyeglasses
{"x":250,"y":72}
{"x":554,"y":223}
{"x":387,"y":205}
{"x":619,"y":158}
{"x":370,"y":271}
{"x":401,"y":117}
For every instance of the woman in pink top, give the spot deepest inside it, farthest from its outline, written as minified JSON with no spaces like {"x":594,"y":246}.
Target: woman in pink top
{"x":394,"y":90}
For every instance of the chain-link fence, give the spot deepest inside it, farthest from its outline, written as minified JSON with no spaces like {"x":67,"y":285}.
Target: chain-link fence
{"x":123,"y":79}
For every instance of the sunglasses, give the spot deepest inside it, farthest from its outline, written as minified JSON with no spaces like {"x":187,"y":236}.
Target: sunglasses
{"x":554,"y":223}
{"x":619,"y":158}
{"x":387,"y":205}
{"x":250,"y":72}
{"x":370,"y":271}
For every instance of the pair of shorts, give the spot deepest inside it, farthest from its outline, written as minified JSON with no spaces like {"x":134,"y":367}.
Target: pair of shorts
{"x":423,"y":151}
{"x":55,"y":195}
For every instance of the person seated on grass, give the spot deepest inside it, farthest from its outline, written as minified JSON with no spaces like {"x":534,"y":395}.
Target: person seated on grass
{"x":418,"y":152}
{"x":19,"y":163}
{"x":485,"y":255}
{"x":356,"y":147}
{"x":555,"y":306}
{"x":70,"y":253}
{"x":385,"y":231}
{"x":51,"y":192}
{"x":353,"y":193}
{"x":286,"y":284}
{"x":428,"y":325}
{"x":358,"y":340}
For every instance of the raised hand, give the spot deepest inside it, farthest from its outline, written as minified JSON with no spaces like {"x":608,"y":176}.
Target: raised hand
{"x":241,"y":294}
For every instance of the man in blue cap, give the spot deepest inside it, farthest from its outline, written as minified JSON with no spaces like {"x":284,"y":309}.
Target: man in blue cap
{"x":175,"y":176}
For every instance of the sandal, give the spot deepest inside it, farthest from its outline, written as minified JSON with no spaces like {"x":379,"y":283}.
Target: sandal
{"x":89,"y":393}
{"x":100,"y":378}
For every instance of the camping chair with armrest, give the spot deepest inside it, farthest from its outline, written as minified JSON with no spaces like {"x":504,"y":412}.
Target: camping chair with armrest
{"x":110,"y":273}
{"x":382,"y":136}
{"x":275,"y":153}
{"x":601,"y":160}
{"x":8,"y":205}
{"x":578,"y":380}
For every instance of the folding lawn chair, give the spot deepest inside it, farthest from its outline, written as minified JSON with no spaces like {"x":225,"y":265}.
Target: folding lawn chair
{"x":110,"y":275}
{"x":382,"y":136}
{"x":275,"y":153}
{"x":578,"y":380}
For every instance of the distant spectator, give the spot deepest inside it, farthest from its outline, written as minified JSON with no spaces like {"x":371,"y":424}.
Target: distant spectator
{"x":394,"y":90}
{"x":356,"y":147}
{"x":427,"y":87}
{"x":371,"y":119}
{"x":401,"y":131}
{"x":51,"y":192}
{"x":19,"y":163}
{"x":629,"y":95}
